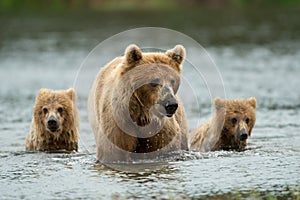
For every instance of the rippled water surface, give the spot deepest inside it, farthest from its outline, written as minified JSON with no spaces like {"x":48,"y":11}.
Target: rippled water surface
{"x":48,"y":55}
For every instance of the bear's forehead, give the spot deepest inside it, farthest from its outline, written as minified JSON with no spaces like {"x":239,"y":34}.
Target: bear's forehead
{"x":158,"y":58}
{"x":154,"y":70}
{"x":54,"y":100}
{"x":239,"y":108}
{"x":238,"y":113}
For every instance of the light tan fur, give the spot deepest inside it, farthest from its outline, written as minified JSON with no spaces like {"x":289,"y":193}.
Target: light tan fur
{"x":48,"y":103}
{"x":108,"y":105}
{"x":220,"y":132}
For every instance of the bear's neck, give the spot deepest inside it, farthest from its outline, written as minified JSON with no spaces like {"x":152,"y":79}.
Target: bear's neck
{"x":66,"y":140}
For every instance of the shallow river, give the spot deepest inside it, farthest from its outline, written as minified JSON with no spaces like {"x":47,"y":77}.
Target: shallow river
{"x":51,"y":58}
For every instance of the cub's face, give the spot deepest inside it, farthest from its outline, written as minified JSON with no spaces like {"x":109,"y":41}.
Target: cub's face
{"x":240,"y":118}
{"x":53,"y":117}
{"x":239,"y":124}
{"x":54,"y":111}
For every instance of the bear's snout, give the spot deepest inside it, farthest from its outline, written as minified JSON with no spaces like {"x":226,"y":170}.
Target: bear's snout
{"x":52,"y":124}
{"x":243,"y":134}
{"x":171,"y":107}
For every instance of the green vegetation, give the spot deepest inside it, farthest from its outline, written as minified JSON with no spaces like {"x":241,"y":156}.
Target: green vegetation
{"x":131,"y":5}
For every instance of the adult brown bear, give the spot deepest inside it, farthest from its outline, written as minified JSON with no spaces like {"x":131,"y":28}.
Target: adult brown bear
{"x":134,"y":108}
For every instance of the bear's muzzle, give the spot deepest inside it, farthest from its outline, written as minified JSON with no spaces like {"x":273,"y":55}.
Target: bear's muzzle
{"x":243,"y":134}
{"x":52,"y":124}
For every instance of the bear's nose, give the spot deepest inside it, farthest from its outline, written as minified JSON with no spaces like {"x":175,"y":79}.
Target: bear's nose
{"x":243,"y":134}
{"x":52,"y":124}
{"x":171,"y":106}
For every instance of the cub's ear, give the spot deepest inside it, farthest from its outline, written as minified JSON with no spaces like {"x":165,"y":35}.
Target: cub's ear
{"x":133,"y":54}
{"x":71,"y":94}
{"x":43,"y":91}
{"x":177,"y":54}
{"x":252,"y":102}
{"x":219,"y":103}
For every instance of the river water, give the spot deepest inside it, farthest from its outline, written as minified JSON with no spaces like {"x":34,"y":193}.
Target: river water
{"x":48,"y":52}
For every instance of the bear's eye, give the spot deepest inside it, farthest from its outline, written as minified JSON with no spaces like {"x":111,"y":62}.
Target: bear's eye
{"x":247,"y":120}
{"x":60,"y":110}
{"x":45,"y":110}
{"x":173,"y":82}
{"x":154,"y":83}
{"x":233,"y":120}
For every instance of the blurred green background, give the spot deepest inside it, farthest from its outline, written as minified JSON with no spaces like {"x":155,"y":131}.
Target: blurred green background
{"x":134,"y":5}
{"x":214,"y":22}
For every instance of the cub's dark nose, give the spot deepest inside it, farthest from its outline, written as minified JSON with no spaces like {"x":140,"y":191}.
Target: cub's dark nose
{"x":171,"y":107}
{"x":52,"y":124}
{"x":243,"y":134}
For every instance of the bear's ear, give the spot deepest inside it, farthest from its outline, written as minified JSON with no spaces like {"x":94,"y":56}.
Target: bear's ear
{"x":177,"y":54}
{"x":219,"y":103}
{"x":133,"y":54}
{"x":252,"y":102}
{"x":43,"y":91}
{"x":71,"y":94}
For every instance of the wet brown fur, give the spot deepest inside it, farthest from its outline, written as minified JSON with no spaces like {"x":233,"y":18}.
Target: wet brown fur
{"x":66,"y":137}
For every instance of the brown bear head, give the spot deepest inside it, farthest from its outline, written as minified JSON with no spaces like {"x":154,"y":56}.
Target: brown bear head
{"x":153,"y":80}
{"x":54,"y":111}
{"x":240,"y":117}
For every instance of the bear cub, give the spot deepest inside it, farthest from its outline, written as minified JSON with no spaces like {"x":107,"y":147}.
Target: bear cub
{"x":55,"y":122}
{"x":229,"y":128}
